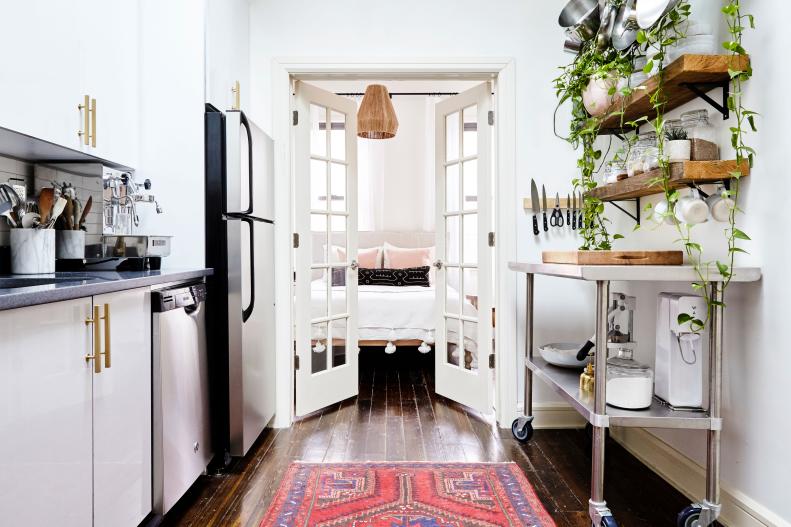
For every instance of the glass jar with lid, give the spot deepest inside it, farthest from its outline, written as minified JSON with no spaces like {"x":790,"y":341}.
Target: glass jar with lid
{"x":701,"y":134}
{"x":630,"y":384}
{"x":614,"y":171}
{"x":698,"y":125}
{"x":634,"y":160}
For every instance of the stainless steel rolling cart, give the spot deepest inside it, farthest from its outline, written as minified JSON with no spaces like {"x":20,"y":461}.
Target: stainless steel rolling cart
{"x":595,"y":411}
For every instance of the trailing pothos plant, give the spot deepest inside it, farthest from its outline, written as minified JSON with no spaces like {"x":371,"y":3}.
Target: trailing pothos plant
{"x":592,"y":63}
{"x":664,"y":34}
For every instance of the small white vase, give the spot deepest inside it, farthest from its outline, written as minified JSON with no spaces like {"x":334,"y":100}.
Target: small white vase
{"x":32,"y":251}
{"x":679,"y":150}
{"x":70,"y":245}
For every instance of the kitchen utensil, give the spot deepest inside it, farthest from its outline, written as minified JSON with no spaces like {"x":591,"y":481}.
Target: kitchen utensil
{"x":31,"y":220}
{"x":544,"y":210}
{"x":46,"y":198}
{"x":535,"y":204}
{"x":604,"y":36}
{"x":85,"y":212}
{"x":557,"y":215}
{"x":574,"y":210}
{"x":650,"y":11}
{"x":6,"y":208}
{"x":75,"y":218}
{"x":661,"y":215}
{"x":563,"y":354}
{"x":17,"y":205}
{"x":68,"y":214}
{"x":572,"y":44}
{"x":57,"y":210}
{"x":581,"y":17}
{"x":624,"y":31}
{"x":568,"y":209}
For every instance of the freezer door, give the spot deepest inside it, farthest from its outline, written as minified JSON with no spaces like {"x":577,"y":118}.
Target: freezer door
{"x":251,"y":313}
{"x":250,"y":168}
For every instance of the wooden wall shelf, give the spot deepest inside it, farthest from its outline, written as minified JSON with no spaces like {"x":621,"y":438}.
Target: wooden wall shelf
{"x":681,"y":175}
{"x":686,"y":78}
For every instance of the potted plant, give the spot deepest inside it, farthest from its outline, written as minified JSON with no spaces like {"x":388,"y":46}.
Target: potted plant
{"x":679,"y":147}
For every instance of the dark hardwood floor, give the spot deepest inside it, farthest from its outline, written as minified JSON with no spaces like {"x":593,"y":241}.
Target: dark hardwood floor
{"x":397,"y":416}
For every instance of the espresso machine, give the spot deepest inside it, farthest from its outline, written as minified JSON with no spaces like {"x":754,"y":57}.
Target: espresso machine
{"x":679,"y":359}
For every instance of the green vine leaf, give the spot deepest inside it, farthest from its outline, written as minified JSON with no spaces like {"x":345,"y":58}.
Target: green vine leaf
{"x":739,"y":235}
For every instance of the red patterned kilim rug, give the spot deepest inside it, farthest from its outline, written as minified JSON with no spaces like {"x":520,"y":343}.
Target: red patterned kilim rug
{"x":406,"y":495}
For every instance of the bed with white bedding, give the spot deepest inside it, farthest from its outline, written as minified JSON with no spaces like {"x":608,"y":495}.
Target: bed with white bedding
{"x":394,"y":316}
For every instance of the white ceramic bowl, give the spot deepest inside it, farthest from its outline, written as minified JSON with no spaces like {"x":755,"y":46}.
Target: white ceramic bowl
{"x":563,"y":354}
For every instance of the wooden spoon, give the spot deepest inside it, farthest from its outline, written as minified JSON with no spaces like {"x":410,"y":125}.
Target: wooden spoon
{"x":85,"y":212}
{"x":46,"y":198}
{"x":68,"y":213}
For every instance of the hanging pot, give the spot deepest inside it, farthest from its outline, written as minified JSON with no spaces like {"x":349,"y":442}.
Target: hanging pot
{"x":582,"y":18}
{"x":624,"y":33}
{"x":596,"y":97}
{"x":650,"y":11}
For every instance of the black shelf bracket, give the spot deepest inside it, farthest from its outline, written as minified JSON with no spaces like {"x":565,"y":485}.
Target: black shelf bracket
{"x":702,"y":89}
{"x":636,"y":215}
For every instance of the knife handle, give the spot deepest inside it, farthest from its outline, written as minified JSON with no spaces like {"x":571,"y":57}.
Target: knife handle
{"x":535,"y":225}
{"x":574,"y":220}
{"x":568,"y":216}
{"x":546,"y":224}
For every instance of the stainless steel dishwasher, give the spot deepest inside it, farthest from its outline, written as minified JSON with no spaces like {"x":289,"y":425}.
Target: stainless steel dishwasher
{"x":182,"y":433}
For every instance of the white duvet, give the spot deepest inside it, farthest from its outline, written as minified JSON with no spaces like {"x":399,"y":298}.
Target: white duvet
{"x":393,"y":313}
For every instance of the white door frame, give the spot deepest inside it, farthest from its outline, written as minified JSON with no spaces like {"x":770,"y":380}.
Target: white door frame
{"x":503,"y":72}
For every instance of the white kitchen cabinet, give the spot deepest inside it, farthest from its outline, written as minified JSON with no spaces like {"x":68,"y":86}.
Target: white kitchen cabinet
{"x":227,"y":52}
{"x":58,"y":52}
{"x":39,"y":74}
{"x":77,"y":442}
{"x":122,"y":412}
{"x":46,"y":415}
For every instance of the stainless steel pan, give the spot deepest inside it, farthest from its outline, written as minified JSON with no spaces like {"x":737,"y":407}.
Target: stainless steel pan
{"x":582,"y":18}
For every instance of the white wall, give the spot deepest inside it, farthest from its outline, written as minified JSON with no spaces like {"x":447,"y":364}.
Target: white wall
{"x":757,"y":420}
{"x":171,"y":124}
{"x":227,"y":52}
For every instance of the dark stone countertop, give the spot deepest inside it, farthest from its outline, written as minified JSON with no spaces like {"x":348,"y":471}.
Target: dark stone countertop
{"x":29,"y":290}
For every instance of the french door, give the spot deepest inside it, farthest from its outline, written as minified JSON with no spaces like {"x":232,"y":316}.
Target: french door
{"x":326,"y":269}
{"x":464,"y":256}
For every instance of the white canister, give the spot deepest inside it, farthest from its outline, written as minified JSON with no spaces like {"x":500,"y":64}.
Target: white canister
{"x":32,"y":251}
{"x":679,"y":150}
{"x":70,"y":245}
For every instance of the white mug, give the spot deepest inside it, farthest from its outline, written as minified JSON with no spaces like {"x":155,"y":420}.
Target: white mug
{"x":720,"y":206}
{"x":661,"y":213}
{"x":691,"y":209}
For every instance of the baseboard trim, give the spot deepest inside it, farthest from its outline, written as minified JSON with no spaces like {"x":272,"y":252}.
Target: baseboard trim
{"x":738,"y":509}
{"x":554,"y":415}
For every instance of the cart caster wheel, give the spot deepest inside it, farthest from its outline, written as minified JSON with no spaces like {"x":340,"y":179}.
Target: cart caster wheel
{"x":609,"y":521}
{"x":689,"y":517}
{"x":524,"y":433}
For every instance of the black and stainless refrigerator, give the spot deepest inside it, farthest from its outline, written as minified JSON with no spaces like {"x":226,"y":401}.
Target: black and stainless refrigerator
{"x":240,"y":249}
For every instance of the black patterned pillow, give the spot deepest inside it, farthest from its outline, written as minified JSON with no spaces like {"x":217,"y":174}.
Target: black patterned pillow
{"x":417,"y":276}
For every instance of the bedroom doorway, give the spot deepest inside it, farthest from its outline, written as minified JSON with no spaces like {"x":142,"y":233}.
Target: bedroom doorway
{"x":451,"y":315}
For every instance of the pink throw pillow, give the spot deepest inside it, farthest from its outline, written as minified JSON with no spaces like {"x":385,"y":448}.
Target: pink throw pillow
{"x":401,"y":258}
{"x":366,"y":258}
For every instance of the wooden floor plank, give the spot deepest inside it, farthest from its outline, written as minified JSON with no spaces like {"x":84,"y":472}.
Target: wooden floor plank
{"x":398,"y":416}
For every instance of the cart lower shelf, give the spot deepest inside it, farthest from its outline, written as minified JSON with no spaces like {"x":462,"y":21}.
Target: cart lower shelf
{"x":565,"y":382}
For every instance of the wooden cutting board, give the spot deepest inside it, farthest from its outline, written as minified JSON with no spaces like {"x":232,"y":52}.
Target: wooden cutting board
{"x":614,"y":257}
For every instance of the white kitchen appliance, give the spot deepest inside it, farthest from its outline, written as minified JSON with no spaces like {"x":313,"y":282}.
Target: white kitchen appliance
{"x":678,"y":375}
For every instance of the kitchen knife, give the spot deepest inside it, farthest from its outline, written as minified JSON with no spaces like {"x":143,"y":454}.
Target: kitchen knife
{"x":568,"y":209}
{"x":574,"y":210}
{"x":536,"y":206}
{"x":544,"y":211}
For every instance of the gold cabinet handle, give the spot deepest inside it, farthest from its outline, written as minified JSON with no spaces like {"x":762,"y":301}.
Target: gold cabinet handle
{"x":97,"y":337}
{"x":93,"y":123}
{"x":107,"y":352}
{"x":86,"y":127}
{"x":237,"y":96}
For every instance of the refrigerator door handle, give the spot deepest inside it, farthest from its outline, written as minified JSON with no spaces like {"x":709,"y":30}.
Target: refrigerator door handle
{"x":246,"y":125}
{"x":248,"y":311}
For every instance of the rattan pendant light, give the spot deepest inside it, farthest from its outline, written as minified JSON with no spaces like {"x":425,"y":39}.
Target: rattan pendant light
{"x":376,"y":118}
